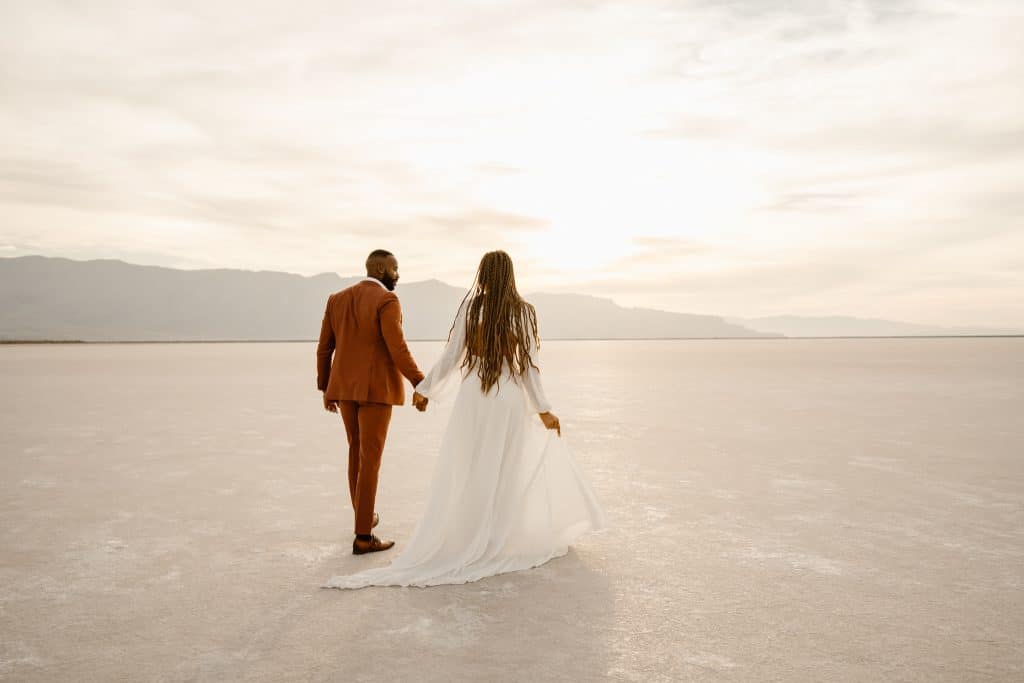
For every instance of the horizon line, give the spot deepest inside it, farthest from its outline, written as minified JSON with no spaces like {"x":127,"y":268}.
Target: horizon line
{"x":14,"y":342}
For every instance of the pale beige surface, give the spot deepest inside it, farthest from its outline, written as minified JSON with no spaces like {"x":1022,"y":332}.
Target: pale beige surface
{"x":783,"y":510}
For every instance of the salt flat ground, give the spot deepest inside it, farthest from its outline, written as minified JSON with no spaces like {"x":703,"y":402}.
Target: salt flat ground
{"x":823,"y":510}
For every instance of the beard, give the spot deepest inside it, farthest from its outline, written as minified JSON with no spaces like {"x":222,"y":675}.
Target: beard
{"x":388,"y":282}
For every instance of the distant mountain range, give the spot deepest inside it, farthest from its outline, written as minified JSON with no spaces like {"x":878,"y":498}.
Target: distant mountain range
{"x":840,"y":326}
{"x":106,"y":300}
{"x":44,"y":298}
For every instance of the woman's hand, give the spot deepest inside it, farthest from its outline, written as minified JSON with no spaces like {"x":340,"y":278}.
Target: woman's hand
{"x":550,"y":421}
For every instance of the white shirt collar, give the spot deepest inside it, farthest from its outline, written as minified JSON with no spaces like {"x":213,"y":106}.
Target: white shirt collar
{"x":373,"y":279}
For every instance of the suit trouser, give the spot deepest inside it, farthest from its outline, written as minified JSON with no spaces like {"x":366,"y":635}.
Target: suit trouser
{"x":366,"y":425}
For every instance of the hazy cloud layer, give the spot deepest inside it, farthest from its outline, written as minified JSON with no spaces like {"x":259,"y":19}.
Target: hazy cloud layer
{"x":744,"y":158}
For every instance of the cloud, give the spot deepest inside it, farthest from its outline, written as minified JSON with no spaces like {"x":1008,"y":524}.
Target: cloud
{"x":481,"y":222}
{"x":820,"y":202}
{"x":739,"y":156}
{"x":498,"y":169}
{"x":697,"y":126}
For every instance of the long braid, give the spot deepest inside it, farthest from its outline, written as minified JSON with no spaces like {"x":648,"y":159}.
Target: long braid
{"x":499,"y":323}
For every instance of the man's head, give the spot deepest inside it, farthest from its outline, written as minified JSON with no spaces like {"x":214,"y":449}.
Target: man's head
{"x":383,"y":265}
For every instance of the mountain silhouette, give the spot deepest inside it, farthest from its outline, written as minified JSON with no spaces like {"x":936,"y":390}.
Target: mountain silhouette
{"x":109,"y":300}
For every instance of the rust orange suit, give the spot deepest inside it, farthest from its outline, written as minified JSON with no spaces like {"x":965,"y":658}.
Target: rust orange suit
{"x":362,"y":329}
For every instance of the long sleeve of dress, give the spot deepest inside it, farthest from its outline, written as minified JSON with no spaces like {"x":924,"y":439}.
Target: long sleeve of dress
{"x":532,"y":384}
{"x":444,"y":370}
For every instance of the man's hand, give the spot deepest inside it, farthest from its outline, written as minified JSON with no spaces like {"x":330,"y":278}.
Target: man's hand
{"x":420,"y":401}
{"x":329,"y":405}
{"x":550,"y":421}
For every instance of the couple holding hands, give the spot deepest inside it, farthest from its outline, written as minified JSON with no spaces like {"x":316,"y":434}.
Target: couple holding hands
{"x":506,"y":493}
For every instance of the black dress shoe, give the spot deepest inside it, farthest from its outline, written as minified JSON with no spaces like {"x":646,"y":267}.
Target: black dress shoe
{"x":374,"y":545}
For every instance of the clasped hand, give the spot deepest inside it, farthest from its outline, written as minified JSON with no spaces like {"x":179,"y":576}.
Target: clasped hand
{"x":420,"y":401}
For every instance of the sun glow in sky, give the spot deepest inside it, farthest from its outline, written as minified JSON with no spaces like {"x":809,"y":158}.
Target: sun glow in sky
{"x":740,"y":158}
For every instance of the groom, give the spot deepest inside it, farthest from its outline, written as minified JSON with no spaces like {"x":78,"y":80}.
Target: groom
{"x":362,"y":327}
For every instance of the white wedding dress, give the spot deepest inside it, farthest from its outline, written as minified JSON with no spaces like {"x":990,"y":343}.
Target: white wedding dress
{"x":506,"y":493}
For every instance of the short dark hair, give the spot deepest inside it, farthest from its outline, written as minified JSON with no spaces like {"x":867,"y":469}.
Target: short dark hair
{"x":376,"y":256}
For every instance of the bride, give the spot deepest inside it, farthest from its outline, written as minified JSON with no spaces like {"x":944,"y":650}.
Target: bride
{"x":506,"y":493}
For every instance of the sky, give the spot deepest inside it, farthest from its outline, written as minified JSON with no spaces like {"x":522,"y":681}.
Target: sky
{"x":730,"y":157}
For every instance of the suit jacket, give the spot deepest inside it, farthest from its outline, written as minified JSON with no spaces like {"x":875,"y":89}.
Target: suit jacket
{"x":362,"y":327}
